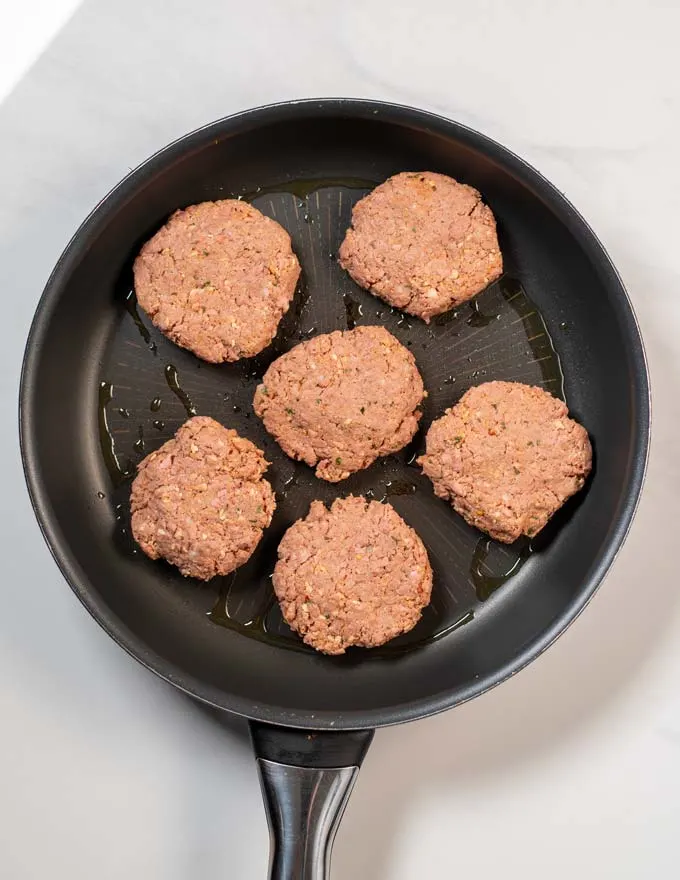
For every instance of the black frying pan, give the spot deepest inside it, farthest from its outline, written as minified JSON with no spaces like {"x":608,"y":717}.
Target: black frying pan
{"x":101,"y":388}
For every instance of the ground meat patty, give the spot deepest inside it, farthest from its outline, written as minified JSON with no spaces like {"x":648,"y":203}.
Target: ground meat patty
{"x":507,"y":456}
{"x":200,"y":501}
{"x":422,"y":242}
{"x":352,"y":575}
{"x":217,"y":279}
{"x":340,"y":400}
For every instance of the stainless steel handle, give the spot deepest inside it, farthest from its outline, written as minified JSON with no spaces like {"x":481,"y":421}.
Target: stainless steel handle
{"x":304,"y":807}
{"x":307,"y":777}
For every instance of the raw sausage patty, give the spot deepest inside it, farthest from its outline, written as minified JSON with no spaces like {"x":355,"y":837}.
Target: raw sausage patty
{"x":200,"y":501}
{"x":356,"y":574}
{"x":422,"y":242}
{"x":507,"y":456}
{"x":217,"y":279}
{"x":341,"y":400}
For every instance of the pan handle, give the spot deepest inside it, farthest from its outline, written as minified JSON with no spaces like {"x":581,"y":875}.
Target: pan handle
{"x":307,"y":778}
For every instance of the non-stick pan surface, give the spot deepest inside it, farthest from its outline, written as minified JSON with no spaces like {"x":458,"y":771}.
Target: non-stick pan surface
{"x":101,"y":388}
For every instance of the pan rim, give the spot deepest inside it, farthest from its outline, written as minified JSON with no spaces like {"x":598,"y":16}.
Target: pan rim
{"x":69,"y":566}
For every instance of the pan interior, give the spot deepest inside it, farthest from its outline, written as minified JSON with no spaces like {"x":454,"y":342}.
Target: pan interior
{"x":499,"y":335}
{"x":112,"y":388}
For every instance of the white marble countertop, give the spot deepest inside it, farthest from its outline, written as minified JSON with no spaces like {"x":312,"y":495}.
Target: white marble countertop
{"x":572,"y":769}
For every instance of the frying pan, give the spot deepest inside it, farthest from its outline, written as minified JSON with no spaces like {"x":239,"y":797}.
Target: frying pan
{"x":101,"y":388}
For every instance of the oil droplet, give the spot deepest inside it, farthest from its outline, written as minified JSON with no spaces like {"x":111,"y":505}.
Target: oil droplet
{"x":101,"y":495}
{"x":107,"y":442}
{"x":125,"y":413}
{"x":172,"y":378}
{"x":138,"y":445}
{"x":158,"y":425}
{"x":133,"y":311}
{"x":155,"y":404}
{"x":353,"y":310}
{"x":487,"y":581}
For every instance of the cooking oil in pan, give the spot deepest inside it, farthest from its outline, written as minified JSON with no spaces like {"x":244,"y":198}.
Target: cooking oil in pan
{"x":172,"y":378}
{"x":445,"y":318}
{"x":258,"y":625}
{"x":539,"y":341}
{"x":399,"y":487}
{"x":478,"y":318}
{"x":139,"y":445}
{"x":353,"y":310}
{"x":399,"y":647}
{"x":493,"y":565}
{"x":119,"y":473}
{"x":304,"y":188}
{"x":391,"y":489}
{"x":133,"y":311}
{"x":265,"y":624}
{"x":291,"y":320}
